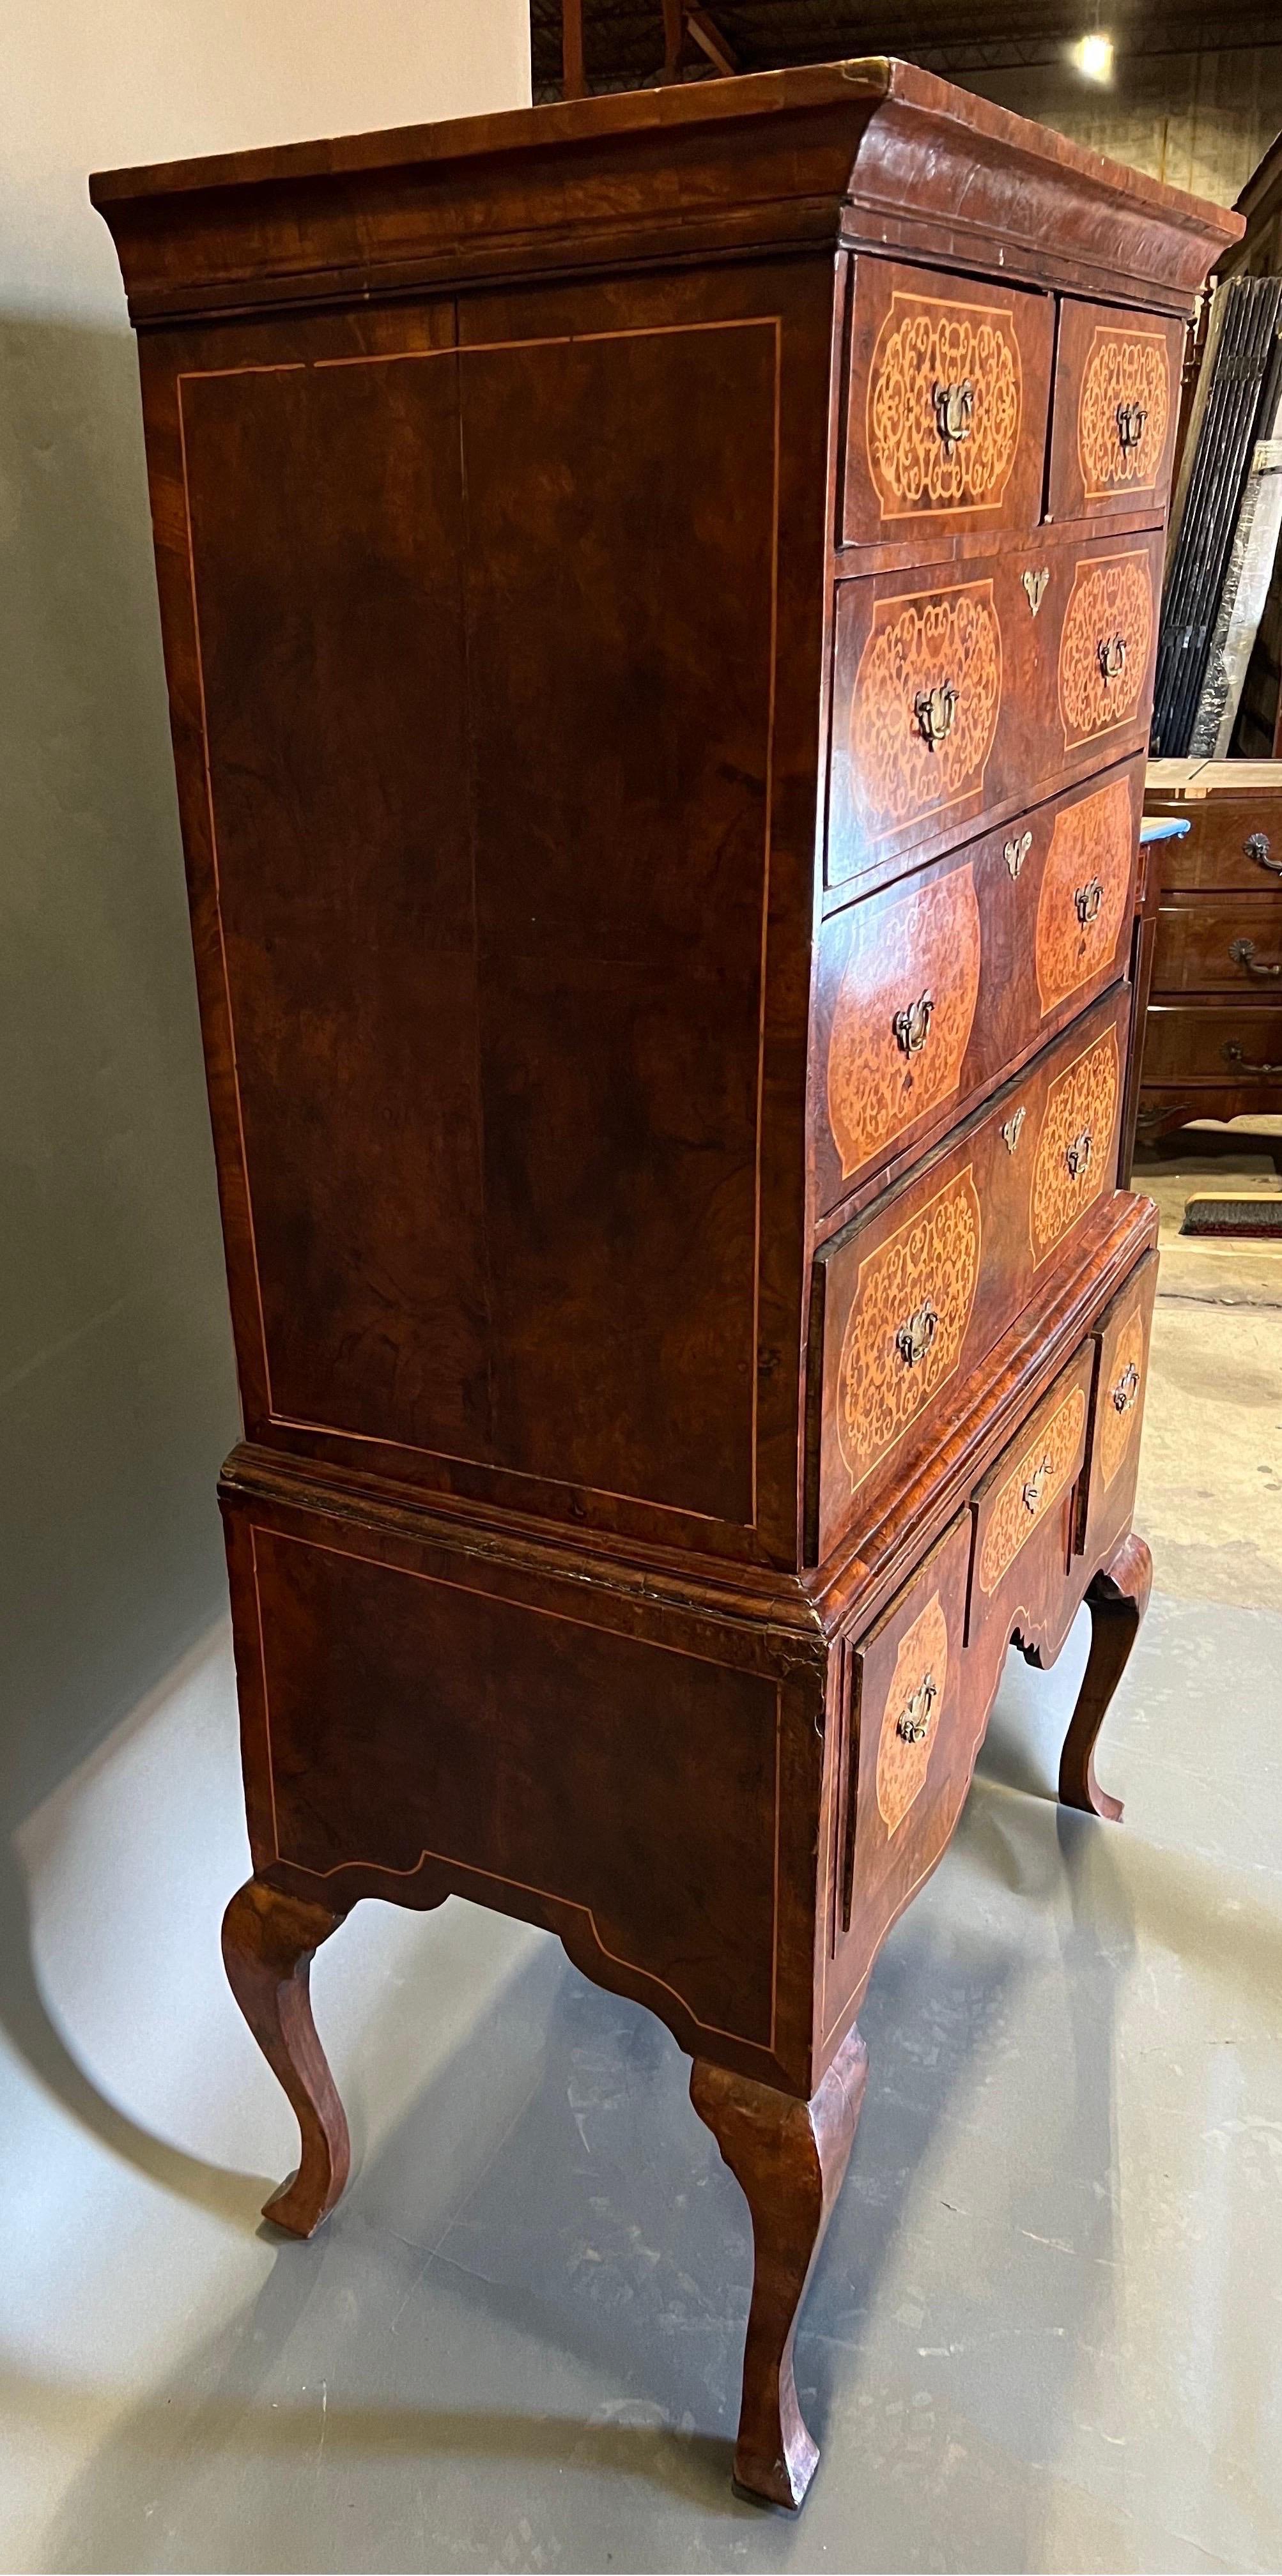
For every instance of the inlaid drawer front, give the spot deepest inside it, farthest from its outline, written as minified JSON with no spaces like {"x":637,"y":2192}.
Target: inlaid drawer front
{"x":1118,"y":1414}
{"x":1117,"y":382}
{"x":923,"y":997}
{"x":909,"y":1726}
{"x":954,"y":699}
{"x":912,"y":1296}
{"x":1025,"y":1514}
{"x":1085,"y":895}
{"x":1106,"y":645}
{"x":1229,"y":848}
{"x":904,"y":1013}
{"x":1233,"y":947}
{"x":1074,"y":1158}
{"x":1029,"y":1490}
{"x":949,"y":381}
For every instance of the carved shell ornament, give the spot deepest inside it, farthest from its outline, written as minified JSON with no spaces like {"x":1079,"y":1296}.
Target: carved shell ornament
{"x":1124,"y":411}
{"x":944,"y":401}
{"x":924,"y":704}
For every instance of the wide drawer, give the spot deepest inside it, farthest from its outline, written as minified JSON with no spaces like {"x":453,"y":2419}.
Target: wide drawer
{"x":1232,"y":848}
{"x":913,"y":1296}
{"x":946,"y":414}
{"x":1219,"y":947}
{"x":1024,"y":1515}
{"x":923,"y":996}
{"x":1116,"y":405}
{"x":1187,"y":1043}
{"x":910,"y":1725}
{"x":1117,"y":1416}
{"x":956,"y":698}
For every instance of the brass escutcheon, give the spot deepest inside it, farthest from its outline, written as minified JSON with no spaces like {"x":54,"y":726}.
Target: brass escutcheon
{"x":934,"y":710}
{"x":954,"y":405}
{"x":1016,"y":851}
{"x":914,"y":1338}
{"x":912,"y":1027}
{"x":914,"y":1718}
{"x":1087,"y":901}
{"x":1035,"y":587}
{"x":1127,"y":1388}
{"x":1078,"y":1155}
{"x":1131,"y":417}
{"x":1013,"y":1130}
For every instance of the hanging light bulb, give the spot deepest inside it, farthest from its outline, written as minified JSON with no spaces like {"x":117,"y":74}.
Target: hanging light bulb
{"x":1093,"y":56}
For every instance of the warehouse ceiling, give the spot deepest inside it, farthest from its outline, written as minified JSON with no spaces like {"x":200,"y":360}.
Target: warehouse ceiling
{"x":623,"y":39}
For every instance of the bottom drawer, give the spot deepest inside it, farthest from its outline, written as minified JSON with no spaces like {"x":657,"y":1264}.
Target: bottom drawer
{"x":1122,"y":1340}
{"x":911,"y":1732}
{"x":1184,"y":1044}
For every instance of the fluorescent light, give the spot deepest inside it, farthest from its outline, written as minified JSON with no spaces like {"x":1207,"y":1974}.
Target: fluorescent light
{"x":1093,"y":56}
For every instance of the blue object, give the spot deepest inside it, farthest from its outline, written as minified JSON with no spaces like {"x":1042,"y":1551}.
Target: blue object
{"x":1163,"y":827}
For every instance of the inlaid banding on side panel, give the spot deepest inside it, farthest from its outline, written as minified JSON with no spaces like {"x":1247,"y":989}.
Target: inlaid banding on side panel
{"x":904,"y":1013}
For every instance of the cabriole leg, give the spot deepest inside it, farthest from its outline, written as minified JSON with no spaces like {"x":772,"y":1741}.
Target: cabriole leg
{"x":1118,"y":1598}
{"x":268,"y":1944}
{"x":788,"y":2158}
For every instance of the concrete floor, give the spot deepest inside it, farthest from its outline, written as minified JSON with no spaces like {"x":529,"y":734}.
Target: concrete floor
{"x":1047,"y":2328}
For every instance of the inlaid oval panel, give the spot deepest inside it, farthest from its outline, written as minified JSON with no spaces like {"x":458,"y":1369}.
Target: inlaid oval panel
{"x":1073,"y":1161}
{"x":910,"y":1719}
{"x":1119,"y":1403}
{"x":1035,"y":1482}
{"x":944,"y":405}
{"x":1124,"y":410}
{"x":1105,"y":644}
{"x":907,"y":1323}
{"x":1085,"y":887}
{"x":904,"y":1013}
{"x":925,"y":702}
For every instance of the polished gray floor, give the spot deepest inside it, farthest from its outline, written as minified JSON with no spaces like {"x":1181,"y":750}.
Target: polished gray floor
{"x":1047,"y":2328}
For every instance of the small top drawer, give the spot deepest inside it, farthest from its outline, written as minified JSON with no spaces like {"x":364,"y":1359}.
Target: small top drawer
{"x":1117,"y":385}
{"x":946,"y":417}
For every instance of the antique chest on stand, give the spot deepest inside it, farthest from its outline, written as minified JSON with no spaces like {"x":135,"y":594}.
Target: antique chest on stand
{"x":659,"y":601}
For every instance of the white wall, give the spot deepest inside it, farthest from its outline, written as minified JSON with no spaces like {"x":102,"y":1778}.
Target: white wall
{"x":116,"y":1395}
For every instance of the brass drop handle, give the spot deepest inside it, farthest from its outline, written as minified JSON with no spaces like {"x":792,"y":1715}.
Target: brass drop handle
{"x":1016,"y":851}
{"x":914,"y":1716}
{"x":934,"y":710}
{"x":914,"y":1338}
{"x":1078,"y":1154}
{"x":1242,"y":952}
{"x":1256,"y":846}
{"x":912,"y":1027}
{"x":1110,"y":653}
{"x":1127,"y":1388}
{"x":1131,"y":417}
{"x":954,"y":405}
{"x":1013,"y":1129}
{"x":1036,"y":1486}
{"x":1087,"y":901}
{"x":1232,"y":1054}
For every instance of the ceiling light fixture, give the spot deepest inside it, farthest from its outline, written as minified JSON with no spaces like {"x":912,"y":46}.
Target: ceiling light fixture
{"x":1093,"y":56}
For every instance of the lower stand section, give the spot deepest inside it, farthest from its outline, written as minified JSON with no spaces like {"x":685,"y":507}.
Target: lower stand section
{"x":789,"y":2158}
{"x":1118,"y":1599}
{"x":269,"y":1941}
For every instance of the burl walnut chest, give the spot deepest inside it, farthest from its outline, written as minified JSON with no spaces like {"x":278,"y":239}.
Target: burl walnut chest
{"x":659,"y":600}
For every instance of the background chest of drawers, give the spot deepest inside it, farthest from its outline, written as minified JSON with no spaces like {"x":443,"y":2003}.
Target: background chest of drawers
{"x":1212,"y":1040}
{"x":659,"y":602}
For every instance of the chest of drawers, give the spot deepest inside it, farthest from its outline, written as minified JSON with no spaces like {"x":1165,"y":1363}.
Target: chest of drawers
{"x":1212,"y":1039}
{"x":659,"y":602}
